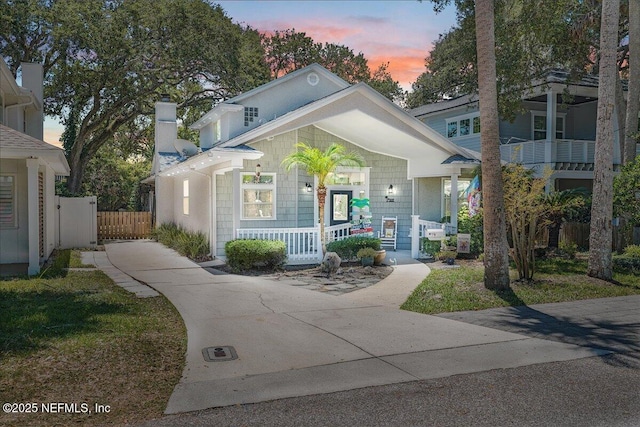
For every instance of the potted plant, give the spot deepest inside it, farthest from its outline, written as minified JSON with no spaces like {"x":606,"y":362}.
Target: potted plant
{"x":366,"y":256}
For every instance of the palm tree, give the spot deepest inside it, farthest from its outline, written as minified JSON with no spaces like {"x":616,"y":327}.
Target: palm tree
{"x":558,"y":205}
{"x":496,"y":257}
{"x":320,"y":164}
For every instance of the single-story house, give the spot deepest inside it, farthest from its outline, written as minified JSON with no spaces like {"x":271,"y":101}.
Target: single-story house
{"x":28,"y":167}
{"x":233,"y":184}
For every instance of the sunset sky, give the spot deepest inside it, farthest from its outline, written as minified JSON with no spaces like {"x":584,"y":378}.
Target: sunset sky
{"x":400,"y":32}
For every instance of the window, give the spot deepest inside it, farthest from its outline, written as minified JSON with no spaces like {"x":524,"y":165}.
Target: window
{"x":346,"y":178}
{"x":7,"y":201}
{"x":463,"y":125}
{"x":463,"y":184}
{"x":250,"y":113}
{"x":539,"y":125}
{"x":185,"y":197}
{"x":258,"y":196}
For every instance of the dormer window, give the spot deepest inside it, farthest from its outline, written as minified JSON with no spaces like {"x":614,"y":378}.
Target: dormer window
{"x":250,"y":113}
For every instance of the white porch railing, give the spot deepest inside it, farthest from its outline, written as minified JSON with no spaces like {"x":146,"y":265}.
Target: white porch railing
{"x":337,"y":232}
{"x":556,"y":151}
{"x":419,"y":229}
{"x":302,"y":244}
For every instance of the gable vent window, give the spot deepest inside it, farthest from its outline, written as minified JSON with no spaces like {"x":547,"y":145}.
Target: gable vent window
{"x":250,"y":113}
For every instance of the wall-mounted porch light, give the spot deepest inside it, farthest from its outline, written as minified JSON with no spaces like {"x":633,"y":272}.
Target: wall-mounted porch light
{"x":391,"y":190}
{"x":308,"y":187}
{"x":257,"y":176}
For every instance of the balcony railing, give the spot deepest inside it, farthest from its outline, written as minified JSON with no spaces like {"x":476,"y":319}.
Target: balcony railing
{"x":570,"y":151}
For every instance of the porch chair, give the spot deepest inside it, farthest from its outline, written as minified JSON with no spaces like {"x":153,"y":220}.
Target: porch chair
{"x":389,"y":232}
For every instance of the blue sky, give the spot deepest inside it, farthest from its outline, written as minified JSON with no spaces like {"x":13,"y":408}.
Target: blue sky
{"x":400,"y":32}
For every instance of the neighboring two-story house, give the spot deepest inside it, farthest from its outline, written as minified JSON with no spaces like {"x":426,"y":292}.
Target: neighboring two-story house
{"x":233,"y":184}
{"x":557,"y":131}
{"x":28,"y":167}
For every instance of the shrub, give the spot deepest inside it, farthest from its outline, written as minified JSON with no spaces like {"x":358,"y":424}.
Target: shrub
{"x":629,"y":260}
{"x":246,"y":254}
{"x":430,"y":247}
{"x":568,"y":249}
{"x":632,"y":251}
{"x":366,"y":253}
{"x":348,"y":248}
{"x":194,"y":245}
{"x":445,"y":255}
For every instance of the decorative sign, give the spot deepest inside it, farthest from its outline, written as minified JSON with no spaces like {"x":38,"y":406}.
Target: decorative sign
{"x":464,"y":243}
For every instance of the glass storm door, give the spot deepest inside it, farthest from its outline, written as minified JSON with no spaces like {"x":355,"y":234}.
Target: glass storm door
{"x":340,"y":207}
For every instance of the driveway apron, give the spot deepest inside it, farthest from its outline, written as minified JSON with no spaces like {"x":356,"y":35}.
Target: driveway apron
{"x":292,"y":342}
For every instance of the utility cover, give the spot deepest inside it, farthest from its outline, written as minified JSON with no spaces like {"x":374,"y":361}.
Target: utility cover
{"x":219,"y":354}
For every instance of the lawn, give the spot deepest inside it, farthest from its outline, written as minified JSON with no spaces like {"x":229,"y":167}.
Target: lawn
{"x":76,"y":338}
{"x":556,"y":280}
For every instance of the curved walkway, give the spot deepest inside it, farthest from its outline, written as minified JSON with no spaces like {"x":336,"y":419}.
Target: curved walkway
{"x":294,"y":342}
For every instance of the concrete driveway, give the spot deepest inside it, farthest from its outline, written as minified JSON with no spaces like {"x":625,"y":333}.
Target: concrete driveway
{"x":294,"y":342}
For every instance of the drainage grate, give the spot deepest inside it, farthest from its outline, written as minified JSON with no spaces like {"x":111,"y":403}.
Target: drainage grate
{"x":219,"y":354}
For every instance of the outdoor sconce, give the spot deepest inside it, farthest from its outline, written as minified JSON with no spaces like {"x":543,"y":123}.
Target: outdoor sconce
{"x":390,"y":190}
{"x":308,"y":187}
{"x":258,"y":170}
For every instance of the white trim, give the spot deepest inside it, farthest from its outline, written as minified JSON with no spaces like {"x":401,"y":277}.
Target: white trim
{"x":185,"y":196}
{"x":443,"y":212}
{"x":262,"y":186}
{"x":535,"y":113}
{"x":458,"y":119}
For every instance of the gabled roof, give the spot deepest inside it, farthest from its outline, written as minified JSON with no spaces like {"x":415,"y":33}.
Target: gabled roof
{"x":364,"y":117}
{"x":17,"y":145}
{"x":232,"y":105}
{"x":316,"y":68}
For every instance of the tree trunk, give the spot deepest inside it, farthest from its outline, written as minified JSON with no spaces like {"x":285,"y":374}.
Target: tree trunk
{"x":322,"y":196}
{"x":600,"y":239}
{"x":554,"y":235}
{"x":496,"y":256}
{"x":633,"y":99}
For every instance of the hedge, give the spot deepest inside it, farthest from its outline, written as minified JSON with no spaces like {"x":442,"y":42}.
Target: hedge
{"x":247,"y":254}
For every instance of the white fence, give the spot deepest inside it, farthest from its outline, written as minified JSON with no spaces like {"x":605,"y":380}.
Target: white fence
{"x":303,"y":244}
{"x":76,"y":225}
{"x":337,"y":232}
{"x":557,"y":151}
{"x":419,"y":229}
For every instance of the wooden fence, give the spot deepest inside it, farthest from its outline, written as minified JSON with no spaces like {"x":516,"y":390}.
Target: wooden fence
{"x":124,"y":225}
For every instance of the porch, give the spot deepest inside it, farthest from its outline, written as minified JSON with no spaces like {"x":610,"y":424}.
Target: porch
{"x":303,"y":244}
{"x":560,"y":154}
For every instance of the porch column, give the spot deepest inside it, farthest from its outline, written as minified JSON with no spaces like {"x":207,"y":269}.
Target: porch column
{"x":415,"y":236}
{"x":454,"y":201}
{"x":237,"y":202}
{"x":33,"y":215}
{"x":213,"y":230}
{"x":551,"y":124}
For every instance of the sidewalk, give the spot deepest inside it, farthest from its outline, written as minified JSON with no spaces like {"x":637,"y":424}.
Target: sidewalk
{"x":294,"y":342}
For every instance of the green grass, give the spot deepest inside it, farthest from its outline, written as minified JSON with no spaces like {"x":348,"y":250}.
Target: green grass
{"x":556,"y":280}
{"x":77,"y":337}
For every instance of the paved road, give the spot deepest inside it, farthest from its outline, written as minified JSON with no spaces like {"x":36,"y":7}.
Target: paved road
{"x":597,"y":392}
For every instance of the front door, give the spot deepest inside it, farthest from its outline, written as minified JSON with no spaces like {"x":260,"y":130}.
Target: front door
{"x":340,"y":206}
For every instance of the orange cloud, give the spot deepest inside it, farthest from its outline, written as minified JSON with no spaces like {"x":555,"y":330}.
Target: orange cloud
{"x":52,"y":135}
